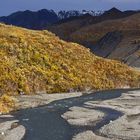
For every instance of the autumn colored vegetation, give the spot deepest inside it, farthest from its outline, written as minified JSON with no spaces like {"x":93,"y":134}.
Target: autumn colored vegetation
{"x":36,"y":61}
{"x":7,"y":104}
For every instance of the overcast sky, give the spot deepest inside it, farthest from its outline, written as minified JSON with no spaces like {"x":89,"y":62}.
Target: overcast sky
{"x":9,"y":6}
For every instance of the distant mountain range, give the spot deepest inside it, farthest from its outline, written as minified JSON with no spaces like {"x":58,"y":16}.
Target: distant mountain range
{"x":42,"y":18}
{"x":66,"y":27}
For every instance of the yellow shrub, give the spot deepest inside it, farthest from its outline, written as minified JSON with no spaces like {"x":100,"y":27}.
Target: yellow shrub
{"x":7,"y":104}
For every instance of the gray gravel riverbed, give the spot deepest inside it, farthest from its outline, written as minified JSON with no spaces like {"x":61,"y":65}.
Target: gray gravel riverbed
{"x":67,"y":117}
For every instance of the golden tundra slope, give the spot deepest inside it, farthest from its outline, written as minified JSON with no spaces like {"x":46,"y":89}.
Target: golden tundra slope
{"x":33,"y":61}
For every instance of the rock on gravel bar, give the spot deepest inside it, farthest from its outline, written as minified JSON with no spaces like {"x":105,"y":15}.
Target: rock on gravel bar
{"x":16,"y":133}
{"x":11,"y":130}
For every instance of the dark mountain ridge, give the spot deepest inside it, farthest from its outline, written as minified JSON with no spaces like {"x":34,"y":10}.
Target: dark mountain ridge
{"x":30,"y":19}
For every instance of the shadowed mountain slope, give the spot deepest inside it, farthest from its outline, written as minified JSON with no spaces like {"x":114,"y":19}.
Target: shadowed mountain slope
{"x":123,"y":46}
{"x":92,"y":33}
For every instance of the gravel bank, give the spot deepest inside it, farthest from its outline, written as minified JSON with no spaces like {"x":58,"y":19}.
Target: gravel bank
{"x":126,"y":127}
{"x":82,"y":116}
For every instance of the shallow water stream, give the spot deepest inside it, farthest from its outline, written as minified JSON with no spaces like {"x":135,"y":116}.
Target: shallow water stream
{"x":46,"y":123}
